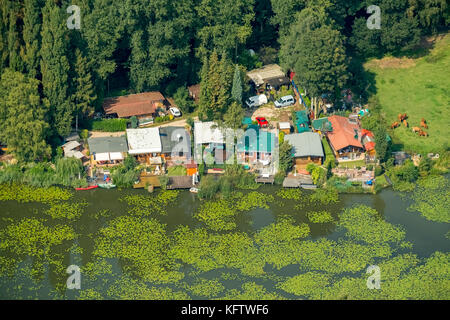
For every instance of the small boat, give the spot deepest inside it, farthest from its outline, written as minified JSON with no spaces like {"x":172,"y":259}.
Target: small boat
{"x":193,"y":190}
{"x":106,"y":185}
{"x":87,"y":188}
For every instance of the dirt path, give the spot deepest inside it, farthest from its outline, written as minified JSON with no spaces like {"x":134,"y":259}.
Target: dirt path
{"x":100,"y":134}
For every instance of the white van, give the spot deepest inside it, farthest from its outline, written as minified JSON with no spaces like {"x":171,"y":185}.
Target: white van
{"x":284,"y":101}
{"x":256,"y":101}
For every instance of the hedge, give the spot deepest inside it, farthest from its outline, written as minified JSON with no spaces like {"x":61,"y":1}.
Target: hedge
{"x":110,"y":125}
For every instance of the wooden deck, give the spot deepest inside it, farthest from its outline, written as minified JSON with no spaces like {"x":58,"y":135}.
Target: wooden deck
{"x":270,"y":179}
{"x":299,"y":181}
{"x":147,"y":180}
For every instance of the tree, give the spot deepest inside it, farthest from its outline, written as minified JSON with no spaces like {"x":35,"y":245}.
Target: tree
{"x":425,"y":166}
{"x":315,"y":51}
{"x":215,"y":88}
{"x":183,"y":100}
{"x":102,"y":28}
{"x":285,"y":14}
{"x":68,"y":169}
{"x":236,"y":91}
{"x":234,"y":115}
{"x":22,"y":118}
{"x":433,"y":14}
{"x":160,"y":40}
{"x":15,"y":48}
{"x":55,"y":68}
{"x":84,"y":95}
{"x":381,"y":143}
{"x":399,"y":30}
{"x":225,"y":24}
{"x":204,"y":111}
{"x":31,"y":35}
{"x":285,"y":157}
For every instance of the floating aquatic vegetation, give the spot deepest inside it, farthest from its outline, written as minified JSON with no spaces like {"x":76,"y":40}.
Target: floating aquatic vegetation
{"x":207,"y":251}
{"x":306,"y":284}
{"x":320,"y":217}
{"x":251,"y":291}
{"x":338,"y":257}
{"x":254,"y":200}
{"x":432,"y":198}
{"x":325,"y":196}
{"x":89,"y":294}
{"x":126,"y":288}
{"x":282,"y":231}
{"x":206,"y":288}
{"x":402,"y":277}
{"x":96,"y":268}
{"x":146,"y":205}
{"x":31,"y":237}
{"x":217,"y":215}
{"x":290,"y":194}
{"x":364,"y":224}
{"x":142,"y":244}
{"x":105,"y":213}
{"x":24,"y":193}
{"x":66,"y":210}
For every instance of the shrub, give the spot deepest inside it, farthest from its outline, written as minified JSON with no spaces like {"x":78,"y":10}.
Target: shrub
{"x":208,"y":187}
{"x":134,"y":122}
{"x":110,"y":125}
{"x":164,"y":181}
{"x":279,"y":178}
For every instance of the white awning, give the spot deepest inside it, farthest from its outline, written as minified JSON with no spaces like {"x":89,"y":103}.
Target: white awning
{"x":284,"y":125}
{"x":102,"y":156}
{"x":115,"y":156}
{"x":73,"y":153}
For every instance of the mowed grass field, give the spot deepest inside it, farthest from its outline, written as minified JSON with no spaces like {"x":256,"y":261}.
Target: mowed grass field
{"x":421,"y":88}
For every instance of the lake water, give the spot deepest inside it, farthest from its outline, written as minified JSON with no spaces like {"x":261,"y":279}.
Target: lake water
{"x":426,"y":236}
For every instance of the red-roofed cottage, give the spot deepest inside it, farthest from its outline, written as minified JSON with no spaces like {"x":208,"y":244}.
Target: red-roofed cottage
{"x":345,"y":139}
{"x":142,"y":105}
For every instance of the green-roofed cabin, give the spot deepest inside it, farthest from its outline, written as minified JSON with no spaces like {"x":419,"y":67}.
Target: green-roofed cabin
{"x":322,"y":125}
{"x":255,"y":145}
{"x":302,"y":121}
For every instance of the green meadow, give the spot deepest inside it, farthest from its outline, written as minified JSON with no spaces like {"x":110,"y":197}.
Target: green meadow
{"x":420,"y":88}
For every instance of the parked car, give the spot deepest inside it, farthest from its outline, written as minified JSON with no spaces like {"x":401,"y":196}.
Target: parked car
{"x":175,"y":112}
{"x":262,"y":122}
{"x":284,"y":101}
{"x":256,"y":101}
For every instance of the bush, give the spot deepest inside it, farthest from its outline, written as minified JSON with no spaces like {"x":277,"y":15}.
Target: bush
{"x":378,"y":171}
{"x":279,"y":178}
{"x":134,"y":122}
{"x":208,"y":187}
{"x":183,"y":101}
{"x":110,"y":125}
{"x":125,"y":174}
{"x":164,"y":181}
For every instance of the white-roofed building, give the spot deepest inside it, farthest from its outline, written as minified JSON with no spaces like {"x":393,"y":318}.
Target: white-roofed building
{"x":144,"y":143}
{"x":208,"y":132}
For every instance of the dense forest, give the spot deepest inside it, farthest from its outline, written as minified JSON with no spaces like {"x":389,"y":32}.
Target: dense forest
{"x":52,"y":75}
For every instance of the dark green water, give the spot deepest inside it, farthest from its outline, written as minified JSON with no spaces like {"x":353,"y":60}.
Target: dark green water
{"x":426,"y":236}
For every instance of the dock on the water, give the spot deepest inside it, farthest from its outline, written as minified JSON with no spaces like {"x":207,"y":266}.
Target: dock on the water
{"x":147,"y":181}
{"x":265,"y":179}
